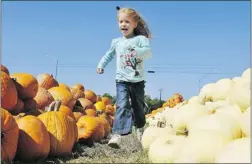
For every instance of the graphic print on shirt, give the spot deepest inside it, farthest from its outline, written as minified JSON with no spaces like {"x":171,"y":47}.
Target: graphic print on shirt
{"x":131,"y":60}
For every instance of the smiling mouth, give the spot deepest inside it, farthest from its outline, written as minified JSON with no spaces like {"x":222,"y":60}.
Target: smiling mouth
{"x":124,"y":29}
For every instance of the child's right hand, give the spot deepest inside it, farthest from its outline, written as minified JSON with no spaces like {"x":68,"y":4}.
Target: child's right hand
{"x":100,"y":70}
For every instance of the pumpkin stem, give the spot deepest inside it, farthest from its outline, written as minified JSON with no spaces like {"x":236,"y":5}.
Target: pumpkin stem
{"x":54,"y":106}
{"x":57,"y":105}
{"x":99,"y":112}
{"x":14,"y":79}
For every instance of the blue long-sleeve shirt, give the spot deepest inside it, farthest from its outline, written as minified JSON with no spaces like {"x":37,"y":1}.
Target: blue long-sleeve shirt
{"x":130,"y":55}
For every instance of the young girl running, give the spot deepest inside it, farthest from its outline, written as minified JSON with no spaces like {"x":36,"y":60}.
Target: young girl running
{"x":130,"y":50}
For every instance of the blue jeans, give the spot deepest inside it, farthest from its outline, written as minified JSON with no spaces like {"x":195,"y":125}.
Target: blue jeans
{"x":128,"y":113}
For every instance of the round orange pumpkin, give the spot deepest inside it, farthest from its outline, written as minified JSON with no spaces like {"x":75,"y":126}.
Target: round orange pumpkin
{"x":8,"y":92}
{"x":77,"y":115}
{"x":62,"y":85}
{"x":67,"y":111}
{"x":90,"y":112}
{"x":89,"y":94}
{"x":110,"y":110}
{"x":106,"y":100}
{"x":62,"y":131}
{"x":79,"y":86}
{"x":85,"y":103}
{"x":33,"y":141}
{"x":9,"y":136}
{"x":106,"y":125}
{"x":47,"y":81}
{"x":90,"y":128}
{"x":77,"y":93}
{"x":5,"y":69}
{"x":26,"y":84}
{"x":59,"y":93}
{"x":100,"y":106}
{"x":43,"y":98}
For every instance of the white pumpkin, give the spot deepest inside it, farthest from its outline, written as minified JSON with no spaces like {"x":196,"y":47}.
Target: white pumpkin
{"x":166,"y":148}
{"x":187,"y":114}
{"x":206,"y":92}
{"x":245,"y":123}
{"x":201,"y":148}
{"x":246,"y":74}
{"x":151,"y":133}
{"x":231,"y":110}
{"x":240,"y":95}
{"x":222,"y":123}
{"x":237,"y":151}
{"x":195,"y":100}
{"x":216,"y":104}
{"x":222,"y":89}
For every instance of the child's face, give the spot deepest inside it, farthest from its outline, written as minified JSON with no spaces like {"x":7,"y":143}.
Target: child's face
{"x":126,"y":24}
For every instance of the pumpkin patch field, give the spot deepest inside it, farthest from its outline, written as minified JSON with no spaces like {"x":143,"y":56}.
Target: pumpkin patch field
{"x":46,"y":121}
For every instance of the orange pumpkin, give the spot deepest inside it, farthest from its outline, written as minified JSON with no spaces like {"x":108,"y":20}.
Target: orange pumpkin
{"x":79,"y":86}
{"x":26,"y":84}
{"x":89,"y":94}
{"x":77,"y":115}
{"x":19,"y":108}
{"x":8,"y":92}
{"x":109,"y":110}
{"x":106,"y":100}
{"x":67,"y":111}
{"x":5,"y":69}
{"x":109,"y":118}
{"x":106,"y":125}
{"x":9,"y":136}
{"x":43,"y":98}
{"x":98,"y":98}
{"x":77,"y":93}
{"x":85,"y":103}
{"x":47,"y":81}
{"x":59,"y":93}
{"x":33,"y":141}
{"x":90,"y":112}
{"x":62,"y":131}
{"x":90,"y":128}
{"x":62,"y":85}
{"x":100,"y":106}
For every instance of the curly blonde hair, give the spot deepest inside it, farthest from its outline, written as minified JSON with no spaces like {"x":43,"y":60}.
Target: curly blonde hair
{"x":142,"y":27}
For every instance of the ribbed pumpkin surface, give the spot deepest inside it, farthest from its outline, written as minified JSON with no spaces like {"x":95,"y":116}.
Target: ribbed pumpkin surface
{"x":9,"y":136}
{"x":43,"y":98}
{"x":79,"y":86}
{"x":77,"y":93}
{"x":47,"y":81}
{"x":59,"y":93}
{"x":90,"y":128}
{"x":8,"y":92}
{"x":26,"y":84}
{"x":62,"y":131}
{"x":34,"y":141}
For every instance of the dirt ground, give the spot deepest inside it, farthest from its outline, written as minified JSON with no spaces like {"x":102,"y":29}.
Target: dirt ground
{"x":130,"y":152}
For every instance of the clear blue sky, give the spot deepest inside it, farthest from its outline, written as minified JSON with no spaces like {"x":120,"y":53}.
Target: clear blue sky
{"x":189,"y":40}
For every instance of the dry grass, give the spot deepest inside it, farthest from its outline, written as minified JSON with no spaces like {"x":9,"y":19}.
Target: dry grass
{"x":129,"y":152}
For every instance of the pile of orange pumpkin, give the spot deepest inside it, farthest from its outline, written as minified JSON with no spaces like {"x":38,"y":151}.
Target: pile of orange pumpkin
{"x":171,"y":102}
{"x":41,"y":117}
